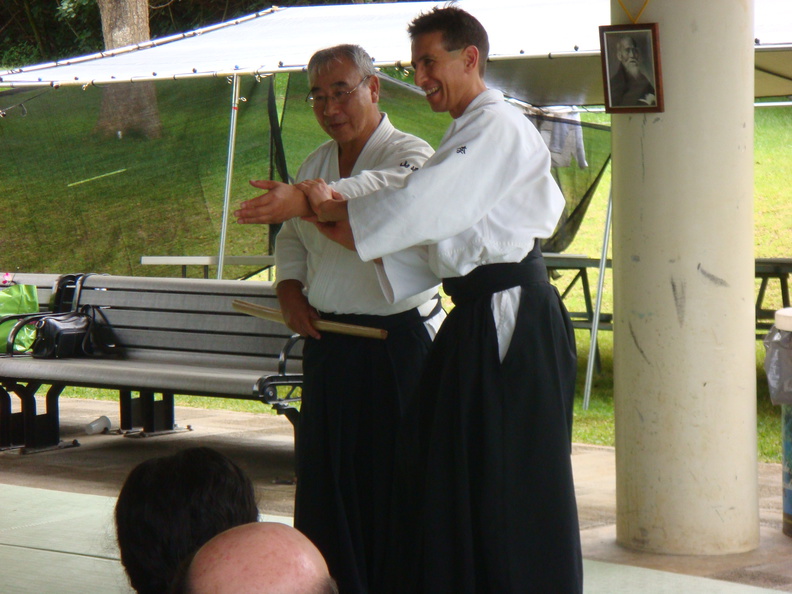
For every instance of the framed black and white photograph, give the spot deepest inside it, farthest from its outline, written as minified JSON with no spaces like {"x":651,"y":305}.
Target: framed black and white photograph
{"x":631,"y":68}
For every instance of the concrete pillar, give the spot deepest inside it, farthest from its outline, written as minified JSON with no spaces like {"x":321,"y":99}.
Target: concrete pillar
{"x":684,"y":352}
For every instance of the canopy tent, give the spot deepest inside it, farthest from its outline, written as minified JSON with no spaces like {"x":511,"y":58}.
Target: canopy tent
{"x":545,"y":52}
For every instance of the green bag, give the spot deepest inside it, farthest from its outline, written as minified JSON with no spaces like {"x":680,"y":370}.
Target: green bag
{"x":15,"y":300}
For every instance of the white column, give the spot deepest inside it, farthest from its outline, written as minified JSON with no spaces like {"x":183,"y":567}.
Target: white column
{"x":684,"y":359}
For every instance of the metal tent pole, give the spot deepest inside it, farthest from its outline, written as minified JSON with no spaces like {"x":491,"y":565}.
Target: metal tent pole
{"x":229,"y":172}
{"x":598,"y":303}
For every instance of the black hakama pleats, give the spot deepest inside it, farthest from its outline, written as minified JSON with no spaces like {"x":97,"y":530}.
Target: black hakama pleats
{"x":485,"y":500}
{"x":354,"y":393}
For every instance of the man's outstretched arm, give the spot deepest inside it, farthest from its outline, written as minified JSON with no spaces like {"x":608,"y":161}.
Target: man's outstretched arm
{"x":280,"y":203}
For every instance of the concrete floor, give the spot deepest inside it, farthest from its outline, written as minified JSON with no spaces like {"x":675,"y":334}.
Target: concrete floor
{"x":56,"y":520}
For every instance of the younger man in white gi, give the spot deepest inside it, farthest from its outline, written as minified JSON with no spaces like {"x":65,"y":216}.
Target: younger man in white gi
{"x":355,"y":388}
{"x":486,"y":499}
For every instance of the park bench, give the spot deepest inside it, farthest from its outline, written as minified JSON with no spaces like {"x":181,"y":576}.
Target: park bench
{"x":177,"y":336}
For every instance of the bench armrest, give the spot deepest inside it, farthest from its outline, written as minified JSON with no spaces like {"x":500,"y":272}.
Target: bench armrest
{"x":267,"y":386}
{"x":283,"y":359}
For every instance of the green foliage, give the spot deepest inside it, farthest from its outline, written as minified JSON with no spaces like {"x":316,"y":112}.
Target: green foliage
{"x":42,"y":30}
{"x":168,"y":18}
{"x":17,"y":55}
{"x":72,"y":9}
{"x":81,"y":18}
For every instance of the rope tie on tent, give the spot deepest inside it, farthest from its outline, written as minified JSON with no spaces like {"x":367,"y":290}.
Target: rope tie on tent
{"x":630,"y":16}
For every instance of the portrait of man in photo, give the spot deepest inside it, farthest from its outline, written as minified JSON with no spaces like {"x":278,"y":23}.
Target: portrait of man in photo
{"x":630,"y":70}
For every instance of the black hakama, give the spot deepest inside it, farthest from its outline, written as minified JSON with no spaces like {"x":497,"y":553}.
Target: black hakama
{"x":354,"y":393}
{"x":485,"y":500}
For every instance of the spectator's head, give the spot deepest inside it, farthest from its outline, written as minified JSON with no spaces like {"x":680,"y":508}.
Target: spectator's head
{"x":344,"y":94}
{"x":262,"y":557}
{"x":449,"y":55}
{"x":170,"y":506}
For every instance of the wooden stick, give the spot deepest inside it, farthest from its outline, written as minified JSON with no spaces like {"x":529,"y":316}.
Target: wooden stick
{"x":275,"y":315}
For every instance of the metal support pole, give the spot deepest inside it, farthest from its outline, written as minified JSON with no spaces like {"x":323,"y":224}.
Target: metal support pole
{"x":229,"y":172}
{"x":786,"y":467}
{"x":598,"y":303}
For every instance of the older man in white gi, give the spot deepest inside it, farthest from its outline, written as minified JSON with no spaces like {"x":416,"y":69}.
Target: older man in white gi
{"x":355,"y":388}
{"x":486,"y":497}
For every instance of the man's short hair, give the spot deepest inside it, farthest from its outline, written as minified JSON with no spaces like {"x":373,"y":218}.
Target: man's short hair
{"x":171,"y":505}
{"x":354,"y":54}
{"x":459,"y":28}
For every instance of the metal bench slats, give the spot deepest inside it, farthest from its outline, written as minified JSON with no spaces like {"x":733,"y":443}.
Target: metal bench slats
{"x":178,"y":336}
{"x":232,"y":323}
{"x":167,"y":301}
{"x":199,"y":341}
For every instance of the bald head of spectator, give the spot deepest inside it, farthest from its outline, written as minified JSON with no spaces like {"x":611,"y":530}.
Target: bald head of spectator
{"x":261,"y":557}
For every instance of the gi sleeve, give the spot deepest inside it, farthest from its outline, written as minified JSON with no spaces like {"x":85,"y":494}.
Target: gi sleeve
{"x":410,"y":270}
{"x":482,"y":160}
{"x":406,"y":273}
{"x":403,"y":159}
{"x":291,"y":257}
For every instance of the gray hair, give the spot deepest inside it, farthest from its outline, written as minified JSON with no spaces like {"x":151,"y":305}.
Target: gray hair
{"x":355,"y":54}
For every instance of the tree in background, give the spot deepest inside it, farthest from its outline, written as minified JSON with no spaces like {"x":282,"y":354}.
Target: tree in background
{"x":33,"y":31}
{"x":131,"y":108}
{"x":124,"y":22}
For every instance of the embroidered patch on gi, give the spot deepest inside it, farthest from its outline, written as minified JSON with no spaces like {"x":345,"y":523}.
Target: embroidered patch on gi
{"x":408,"y":165}
{"x":461,"y":150}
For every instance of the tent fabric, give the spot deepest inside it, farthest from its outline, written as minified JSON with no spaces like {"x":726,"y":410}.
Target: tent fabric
{"x":75,"y":198}
{"x":545,"y":52}
{"x":88,"y":200}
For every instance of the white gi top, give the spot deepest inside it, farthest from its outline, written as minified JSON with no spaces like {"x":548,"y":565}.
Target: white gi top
{"x":483,"y":198}
{"x":337,"y":280}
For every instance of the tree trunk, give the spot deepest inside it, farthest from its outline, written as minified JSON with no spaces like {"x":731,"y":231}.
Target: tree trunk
{"x":127,"y":109}
{"x":34,"y":27}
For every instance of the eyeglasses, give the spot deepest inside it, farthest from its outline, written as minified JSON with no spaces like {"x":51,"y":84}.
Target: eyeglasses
{"x":339,"y":97}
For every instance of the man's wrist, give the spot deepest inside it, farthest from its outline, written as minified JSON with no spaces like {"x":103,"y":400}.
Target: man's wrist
{"x":334,"y":210}
{"x":303,"y":205}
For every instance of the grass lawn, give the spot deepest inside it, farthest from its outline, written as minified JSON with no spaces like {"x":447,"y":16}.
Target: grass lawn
{"x":773,"y":238}
{"x":84,"y":203}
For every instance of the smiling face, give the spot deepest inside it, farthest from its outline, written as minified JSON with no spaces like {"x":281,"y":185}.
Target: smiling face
{"x":349,"y":118}
{"x":450,"y":79}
